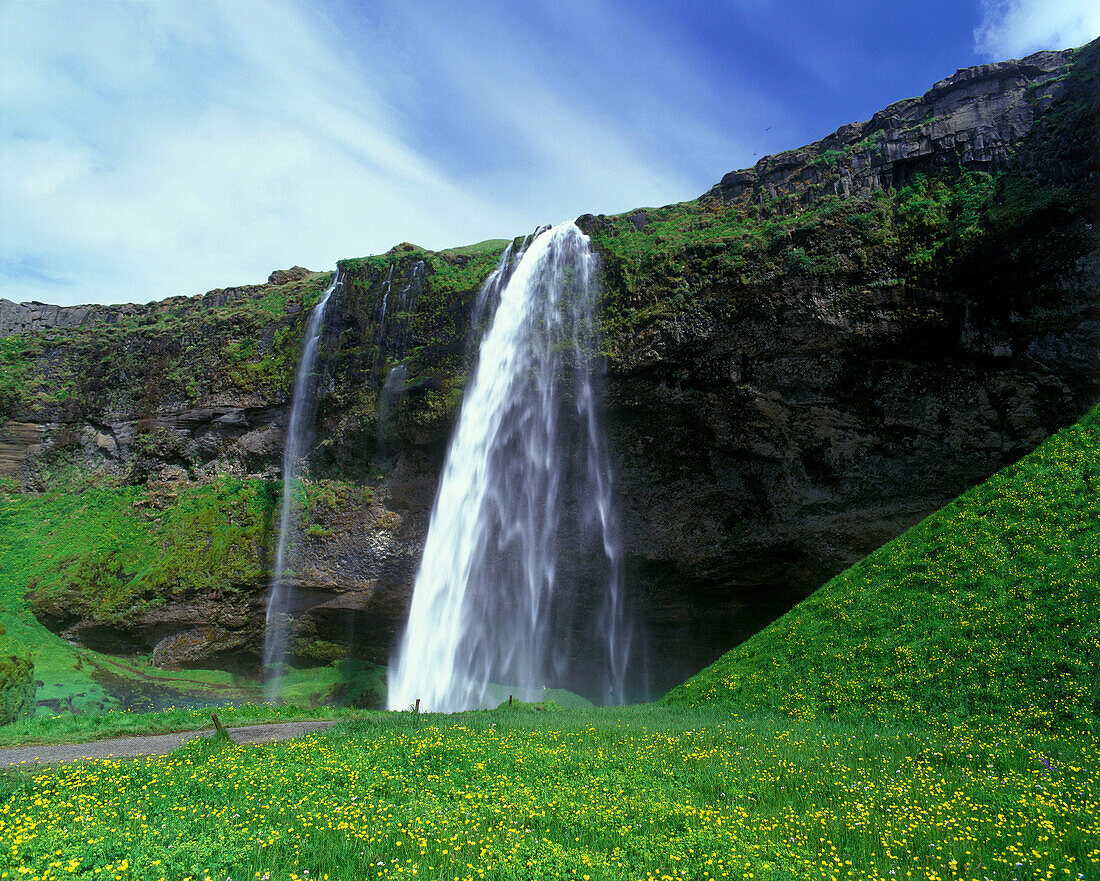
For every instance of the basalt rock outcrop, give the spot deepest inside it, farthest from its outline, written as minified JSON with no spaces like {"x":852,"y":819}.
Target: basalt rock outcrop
{"x":811,"y":357}
{"x":977,"y":116}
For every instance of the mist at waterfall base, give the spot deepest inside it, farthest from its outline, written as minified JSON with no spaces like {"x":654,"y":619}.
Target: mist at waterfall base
{"x":520,"y":585}
{"x":302,"y":406}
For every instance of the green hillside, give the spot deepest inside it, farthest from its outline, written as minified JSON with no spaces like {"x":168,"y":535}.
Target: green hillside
{"x":989,"y":608}
{"x":106,"y":553}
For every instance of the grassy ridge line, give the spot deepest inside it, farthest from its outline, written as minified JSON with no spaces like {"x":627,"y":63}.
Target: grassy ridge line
{"x":988,"y":608}
{"x":961,"y":230}
{"x":175,"y":350}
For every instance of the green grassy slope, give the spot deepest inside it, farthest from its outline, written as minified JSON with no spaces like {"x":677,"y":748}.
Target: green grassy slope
{"x":106,"y":548}
{"x":990,"y":607}
{"x":108,"y":551}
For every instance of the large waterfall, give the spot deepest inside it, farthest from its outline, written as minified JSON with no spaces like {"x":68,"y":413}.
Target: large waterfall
{"x":523,"y":514}
{"x":302,"y":402}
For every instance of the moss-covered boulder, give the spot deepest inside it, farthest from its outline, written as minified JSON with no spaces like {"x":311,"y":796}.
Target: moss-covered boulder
{"x":17,"y":689}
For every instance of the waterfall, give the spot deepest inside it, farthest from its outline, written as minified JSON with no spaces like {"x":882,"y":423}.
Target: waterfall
{"x":407,"y":299}
{"x":302,"y":402}
{"x":393,"y":329}
{"x":392,"y":341}
{"x":488,"y":297}
{"x":523,"y":513}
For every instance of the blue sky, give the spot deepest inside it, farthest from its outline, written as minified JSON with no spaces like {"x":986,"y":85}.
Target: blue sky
{"x":151,"y":149}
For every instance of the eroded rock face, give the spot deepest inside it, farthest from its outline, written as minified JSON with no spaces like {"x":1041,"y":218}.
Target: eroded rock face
{"x":974,"y":117}
{"x":352,"y":564}
{"x":762,"y":449}
{"x":766,"y":432}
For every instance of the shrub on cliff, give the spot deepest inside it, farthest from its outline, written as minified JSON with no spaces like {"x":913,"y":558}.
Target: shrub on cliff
{"x":17,"y":689}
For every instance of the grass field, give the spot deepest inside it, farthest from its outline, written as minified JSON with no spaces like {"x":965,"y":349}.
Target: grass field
{"x":931,"y":714}
{"x":642,"y":792}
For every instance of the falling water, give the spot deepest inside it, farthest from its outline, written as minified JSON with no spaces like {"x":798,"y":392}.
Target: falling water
{"x":301,"y":411}
{"x":406,"y":305}
{"x":393,"y":327}
{"x":391,"y":341}
{"x":387,"y":285}
{"x":524,"y":500}
{"x":488,"y":297}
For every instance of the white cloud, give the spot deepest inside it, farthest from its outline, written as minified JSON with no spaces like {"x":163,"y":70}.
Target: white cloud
{"x":158,"y":149}
{"x":161,"y":148}
{"x":1015,"y":28}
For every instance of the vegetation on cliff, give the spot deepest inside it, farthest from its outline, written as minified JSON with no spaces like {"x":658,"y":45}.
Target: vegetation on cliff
{"x":125,"y":360}
{"x":962,"y":229}
{"x":112,"y":559}
{"x":17,"y":688}
{"x":431,"y":345}
{"x":105,"y":548}
{"x":990,"y":608}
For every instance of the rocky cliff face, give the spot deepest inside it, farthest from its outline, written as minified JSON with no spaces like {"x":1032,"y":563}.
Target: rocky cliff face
{"x":977,"y":117}
{"x":802,"y":363}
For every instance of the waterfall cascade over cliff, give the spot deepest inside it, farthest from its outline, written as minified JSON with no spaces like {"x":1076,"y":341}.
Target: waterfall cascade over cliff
{"x":523,"y":514}
{"x":281,"y":598}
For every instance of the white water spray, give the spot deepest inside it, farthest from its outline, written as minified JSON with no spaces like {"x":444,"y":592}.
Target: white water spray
{"x":524,"y":508}
{"x":279,"y":602}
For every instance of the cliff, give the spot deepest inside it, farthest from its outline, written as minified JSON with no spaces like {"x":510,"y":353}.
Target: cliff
{"x":811,"y":357}
{"x":976,"y":117}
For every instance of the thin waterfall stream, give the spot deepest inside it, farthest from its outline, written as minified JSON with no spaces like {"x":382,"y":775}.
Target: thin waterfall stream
{"x":523,"y":514}
{"x":391,"y":340}
{"x":303,"y":399}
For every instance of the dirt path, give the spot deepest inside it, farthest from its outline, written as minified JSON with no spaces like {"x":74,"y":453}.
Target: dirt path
{"x":154,"y":744}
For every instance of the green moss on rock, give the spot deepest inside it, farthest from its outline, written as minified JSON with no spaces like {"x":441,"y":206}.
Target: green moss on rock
{"x":119,"y":546}
{"x":17,"y":689}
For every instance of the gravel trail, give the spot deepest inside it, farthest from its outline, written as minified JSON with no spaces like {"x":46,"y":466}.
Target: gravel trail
{"x":153,"y":744}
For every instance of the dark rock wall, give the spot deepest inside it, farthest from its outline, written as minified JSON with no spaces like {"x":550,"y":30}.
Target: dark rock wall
{"x":977,"y":116}
{"x":765,"y":447}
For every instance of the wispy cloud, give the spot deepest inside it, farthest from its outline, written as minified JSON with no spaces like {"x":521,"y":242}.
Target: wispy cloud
{"x":573,"y":106}
{"x":1014,"y":28}
{"x":155,"y":149}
